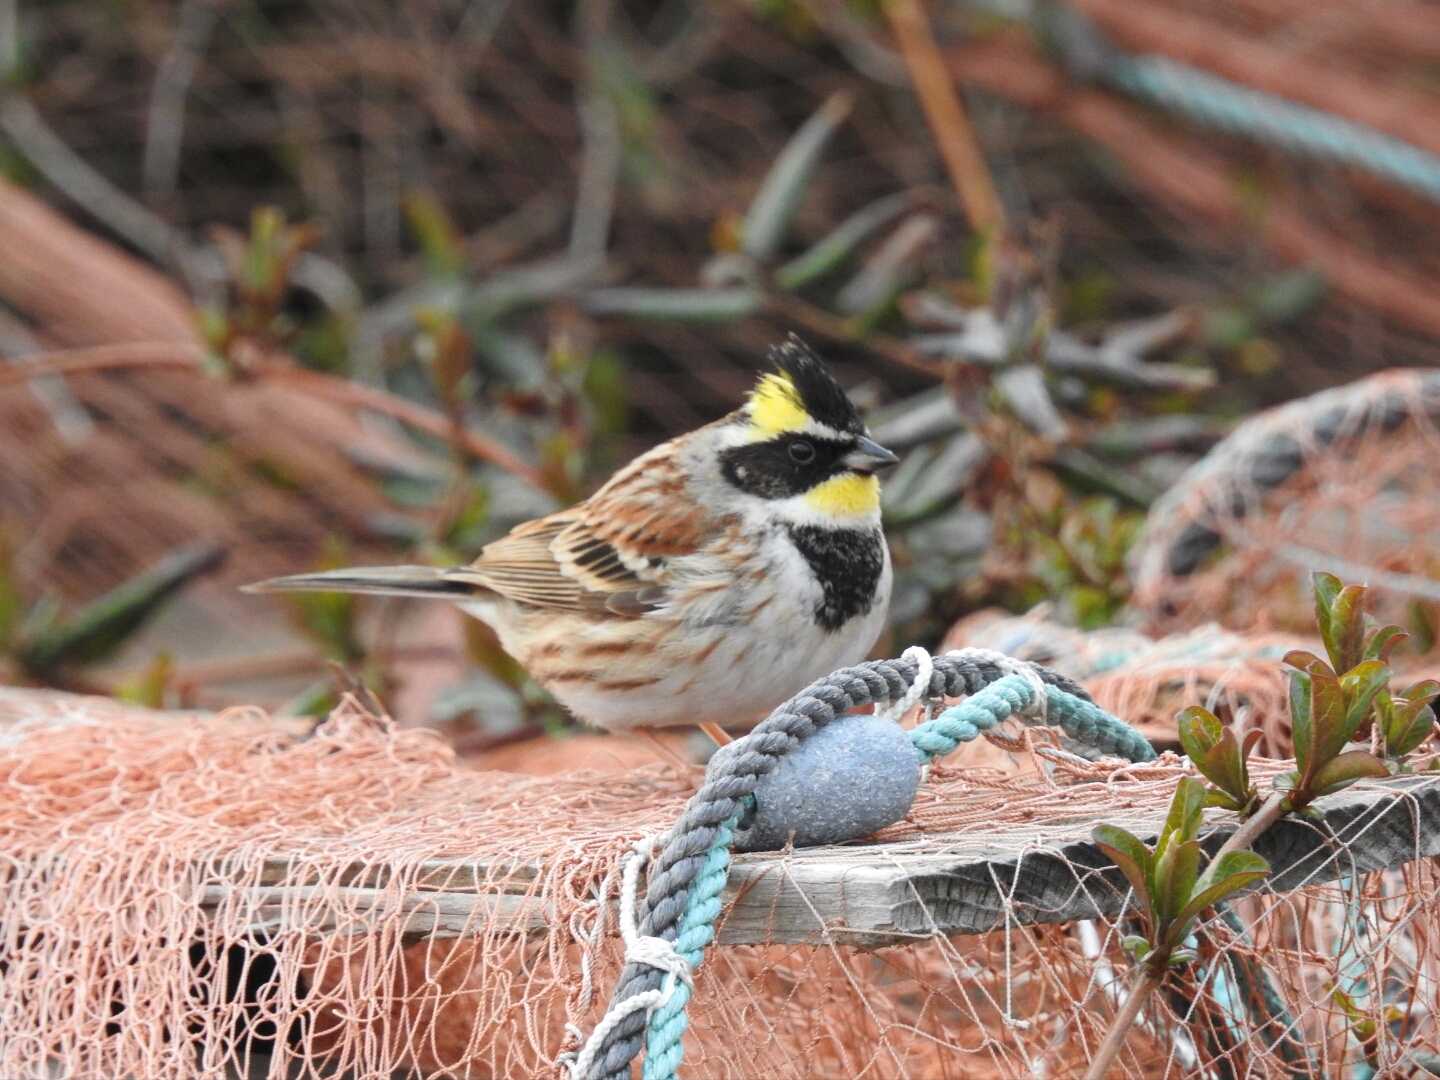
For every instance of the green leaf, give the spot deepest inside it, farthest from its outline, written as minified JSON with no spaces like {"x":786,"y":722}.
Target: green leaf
{"x":1137,"y":946}
{"x":103,"y":626}
{"x":1303,"y":659}
{"x":1219,"y":799}
{"x":1133,"y":858}
{"x":837,"y":246}
{"x":1426,"y":691}
{"x":1417,"y":728}
{"x":440,"y":243}
{"x":1215,"y":752}
{"x":1383,"y":641}
{"x":1347,"y":1004}
{"x":1345,"y":769}
{"x":1175,"y":875}
{"x":1344,"y":631}
{"x":1327,"y":587}
{"x":1300,"y":720}
{"x":775,"y":203}
{"x":1200,"y":732}
{"x":1327,"y":718}
{"x":1186,"y":808}
{"x":1360,"y":685}
{"x":148,"y":688}
{"x":1228,"y":874}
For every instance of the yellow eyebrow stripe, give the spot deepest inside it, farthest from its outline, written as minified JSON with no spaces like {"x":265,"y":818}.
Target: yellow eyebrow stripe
{"x":775,"y":407}
{"x":846,"y":495}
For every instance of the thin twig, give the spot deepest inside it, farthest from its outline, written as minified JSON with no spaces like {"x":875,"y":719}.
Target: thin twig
{"x":1147,"y":981}
{"x":946,"y":115}
{"x":600,"y":129}
{"x":178,"y":357}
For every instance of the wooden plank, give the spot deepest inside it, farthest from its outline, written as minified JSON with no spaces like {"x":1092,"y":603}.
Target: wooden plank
{"x":888,"y":894}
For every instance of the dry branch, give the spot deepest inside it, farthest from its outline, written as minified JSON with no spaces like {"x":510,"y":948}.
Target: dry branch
{"x":174,"y":357}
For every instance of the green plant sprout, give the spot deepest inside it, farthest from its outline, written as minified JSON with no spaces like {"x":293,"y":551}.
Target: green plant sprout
{"x":258,"y":269}
{"x":1169,"y":885}
{"x":1333,"y":702}
{"x":1221,"y":758}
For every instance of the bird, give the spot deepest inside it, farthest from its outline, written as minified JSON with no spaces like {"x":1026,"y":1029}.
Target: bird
{"x":705,"y":582}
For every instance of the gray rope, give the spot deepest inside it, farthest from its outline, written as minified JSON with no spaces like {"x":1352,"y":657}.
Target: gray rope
{"x":735,"y":776}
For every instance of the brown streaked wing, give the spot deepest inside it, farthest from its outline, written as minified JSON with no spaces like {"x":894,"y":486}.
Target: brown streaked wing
{"x":522,"y":567}
{"x":611,"y":552}
{"x":646,"y":514}
{"x":550,"y":563}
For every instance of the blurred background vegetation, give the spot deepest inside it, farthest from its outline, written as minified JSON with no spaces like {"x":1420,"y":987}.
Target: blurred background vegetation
{"x":289,"y":285}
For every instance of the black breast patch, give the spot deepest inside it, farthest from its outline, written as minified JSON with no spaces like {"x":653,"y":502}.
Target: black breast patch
{"x":848,"y":564}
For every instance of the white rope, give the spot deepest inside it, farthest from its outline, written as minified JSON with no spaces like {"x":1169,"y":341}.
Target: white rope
{"x":919,"y":686}
{"x":649,"y":950}
{"x":925,"y":670}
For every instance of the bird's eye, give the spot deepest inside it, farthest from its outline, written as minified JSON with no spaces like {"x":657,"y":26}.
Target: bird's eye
{"x":802,"y":452}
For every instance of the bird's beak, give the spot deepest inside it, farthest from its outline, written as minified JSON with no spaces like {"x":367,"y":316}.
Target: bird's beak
{"x":869,"y":456}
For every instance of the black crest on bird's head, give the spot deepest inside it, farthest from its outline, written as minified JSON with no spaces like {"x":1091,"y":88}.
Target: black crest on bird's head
{"x":820,"y":395}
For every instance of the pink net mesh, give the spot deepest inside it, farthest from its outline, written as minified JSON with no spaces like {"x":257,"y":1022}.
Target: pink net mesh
{"x":235,"y":894}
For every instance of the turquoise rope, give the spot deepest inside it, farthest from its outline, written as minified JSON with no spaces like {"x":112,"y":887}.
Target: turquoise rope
{"x":1221,"y":103}
{"x":1238,"y":109}
{"x":1081,"y":720}
{"x":665,"y":1039}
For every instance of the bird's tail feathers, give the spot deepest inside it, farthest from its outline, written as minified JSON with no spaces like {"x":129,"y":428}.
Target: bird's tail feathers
{"x":422,"y":581}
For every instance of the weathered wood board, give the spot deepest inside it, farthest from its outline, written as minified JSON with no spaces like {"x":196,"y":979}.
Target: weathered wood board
{"x":871,"y":895}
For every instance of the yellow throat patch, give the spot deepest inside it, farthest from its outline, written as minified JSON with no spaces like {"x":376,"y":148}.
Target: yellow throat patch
{"x":847,"y":495}
{"x":775,"y":407}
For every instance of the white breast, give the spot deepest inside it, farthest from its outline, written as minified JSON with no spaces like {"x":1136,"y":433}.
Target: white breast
{"x":717,"y":655}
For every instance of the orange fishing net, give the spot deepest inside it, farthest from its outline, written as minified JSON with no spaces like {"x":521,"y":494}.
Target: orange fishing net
{"x":1342,"y":481}
{"x":201,"y":895}
{"x":169,"y":456}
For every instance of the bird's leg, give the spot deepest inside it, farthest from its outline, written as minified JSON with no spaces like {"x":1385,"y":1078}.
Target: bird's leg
{"x":664,"y":751}
{"x":717,"y":734}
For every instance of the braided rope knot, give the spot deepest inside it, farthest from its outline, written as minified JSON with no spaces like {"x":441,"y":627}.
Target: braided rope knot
{"x":660,"y":954}
{"x":1038,"y":707}
{"x":646,"y":950}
